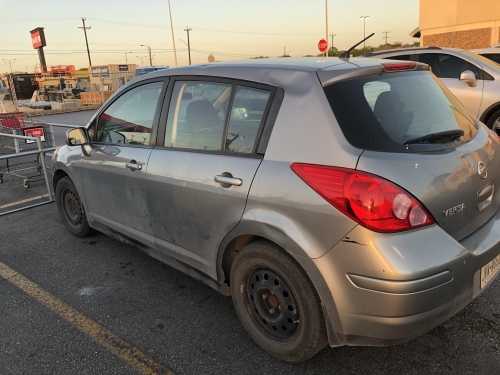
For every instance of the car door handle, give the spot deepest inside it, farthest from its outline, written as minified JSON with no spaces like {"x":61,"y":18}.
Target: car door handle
{"x":133,"y":165}
{"x":227,"y":180}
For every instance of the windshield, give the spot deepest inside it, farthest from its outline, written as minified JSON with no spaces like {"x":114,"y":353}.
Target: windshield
{"x":385,"y":112}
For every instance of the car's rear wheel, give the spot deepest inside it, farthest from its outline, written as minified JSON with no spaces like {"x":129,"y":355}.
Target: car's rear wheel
{"x":276,"y":303}
{"x":71,"y":208}
{"x":494,"y":121}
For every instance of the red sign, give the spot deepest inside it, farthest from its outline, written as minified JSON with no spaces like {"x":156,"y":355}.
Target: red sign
{"x":38,"y":38}
{"x":323,"y":45}
{"x":37,"y":132}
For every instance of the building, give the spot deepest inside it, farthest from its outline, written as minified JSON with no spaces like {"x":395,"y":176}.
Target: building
{"x":466,"y":24}
{"x":110,"y":77}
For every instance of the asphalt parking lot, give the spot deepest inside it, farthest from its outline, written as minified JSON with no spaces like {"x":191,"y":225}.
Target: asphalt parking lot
{"x":177,"y":322}
{"x":97,"y":306}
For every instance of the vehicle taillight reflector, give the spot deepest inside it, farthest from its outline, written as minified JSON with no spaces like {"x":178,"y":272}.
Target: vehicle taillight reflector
{"x":399,"y":66}
{"x":372,"y":201}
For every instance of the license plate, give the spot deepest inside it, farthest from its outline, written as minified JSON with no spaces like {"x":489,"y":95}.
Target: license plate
{"x":489,"y":271}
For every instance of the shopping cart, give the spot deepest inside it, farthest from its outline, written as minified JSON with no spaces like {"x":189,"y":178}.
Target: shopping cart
{"x":25,"y":161}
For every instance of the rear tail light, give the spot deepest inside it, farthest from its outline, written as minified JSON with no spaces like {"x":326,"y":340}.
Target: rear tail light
{"x":372,"y":201}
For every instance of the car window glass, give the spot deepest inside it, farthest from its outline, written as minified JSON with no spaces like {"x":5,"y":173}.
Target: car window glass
{"x":197,"y":115}
{"x":448,"y":66}
{"x":493,"y":57}
{"x":129,"y":119}
{"x":379,"y":112}
{"x":372,"y":91}
{"x":247,"y":113}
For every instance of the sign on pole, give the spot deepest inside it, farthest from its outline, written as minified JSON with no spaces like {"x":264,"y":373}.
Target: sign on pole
{"x":323,"y":45}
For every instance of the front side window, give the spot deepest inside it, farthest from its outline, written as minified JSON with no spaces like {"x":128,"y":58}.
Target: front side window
{"x":380,"y":113}
{"x":247,"y":114}
{"x":129,"y":119}
{"x":197,"y":115}
{"x":448,"y":66}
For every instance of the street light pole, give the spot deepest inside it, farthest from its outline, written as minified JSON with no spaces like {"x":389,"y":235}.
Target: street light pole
{"x":172,"y":32}
{"x":326,"y":24}
{"x":85,"y":28}
{"x":364,"y":18}
{"x":187,"y":30}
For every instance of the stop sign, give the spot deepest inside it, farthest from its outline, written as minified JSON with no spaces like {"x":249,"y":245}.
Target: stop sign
{"x":322,"y":45}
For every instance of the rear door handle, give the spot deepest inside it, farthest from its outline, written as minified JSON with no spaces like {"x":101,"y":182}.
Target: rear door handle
{"x":227,"y":180}
{"x":134,"y":165}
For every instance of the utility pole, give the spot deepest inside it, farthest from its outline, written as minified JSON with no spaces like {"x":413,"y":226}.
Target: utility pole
{"x":172,"y":32}
{"x":9,"y":61}
{"x":364,"y":18}
{"x":326,"y":24}
{"x":386,"y":36}
{"x":85,"y":28}
{"x":187,"y":30}
{"x":126,"y":58}
{"x":332,"y":35}
{"x":149,"y":53}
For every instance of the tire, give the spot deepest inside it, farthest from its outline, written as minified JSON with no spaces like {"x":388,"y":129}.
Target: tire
{"x":282,"y":312}
{"x":71,"y":209}
{"x":494,"y":121}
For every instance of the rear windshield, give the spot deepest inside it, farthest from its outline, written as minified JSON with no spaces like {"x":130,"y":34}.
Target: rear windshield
{"x":384,"y":112}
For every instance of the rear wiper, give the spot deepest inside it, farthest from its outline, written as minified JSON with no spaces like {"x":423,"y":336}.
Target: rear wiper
{"x":448,"y":135}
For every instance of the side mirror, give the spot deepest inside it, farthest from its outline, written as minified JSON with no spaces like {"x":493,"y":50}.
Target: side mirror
{"x":469,"y":78}
{"x":77,"y":137}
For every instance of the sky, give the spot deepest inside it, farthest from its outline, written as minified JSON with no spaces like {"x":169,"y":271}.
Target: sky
{"x":228,"y":29}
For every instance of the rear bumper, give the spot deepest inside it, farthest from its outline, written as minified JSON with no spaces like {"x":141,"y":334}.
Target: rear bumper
{"x":388,"y":289}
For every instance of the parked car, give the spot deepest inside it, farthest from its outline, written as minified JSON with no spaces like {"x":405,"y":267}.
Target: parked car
{"x":474,"y":79}
{"x":340,"y":202}
{"x":492,"y":53}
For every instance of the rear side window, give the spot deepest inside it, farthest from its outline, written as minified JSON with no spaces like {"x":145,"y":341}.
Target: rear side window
{"x":493,"y":57}
{"x":247,"y":114}
{"x":384,"y":112}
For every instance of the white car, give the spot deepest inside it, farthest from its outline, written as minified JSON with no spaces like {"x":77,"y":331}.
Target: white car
{"x":474,"y":79}
{"x":492,"y":53}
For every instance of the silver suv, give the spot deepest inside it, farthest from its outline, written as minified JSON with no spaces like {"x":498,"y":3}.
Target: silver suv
{"x":340,"y":202}
{"x":472,"y":78}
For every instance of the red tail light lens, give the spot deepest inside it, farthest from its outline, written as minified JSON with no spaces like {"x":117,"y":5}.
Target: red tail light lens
{"x":399,"y":66}
{"x":372,"y":201}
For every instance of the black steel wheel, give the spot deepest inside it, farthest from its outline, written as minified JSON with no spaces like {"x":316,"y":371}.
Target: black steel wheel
{"x":71,"y":208}
{"x":277,"y":303}
{"x":273,"y":305}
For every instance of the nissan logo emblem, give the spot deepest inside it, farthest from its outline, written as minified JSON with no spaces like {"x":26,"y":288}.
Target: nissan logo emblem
{"x":482,"y":171}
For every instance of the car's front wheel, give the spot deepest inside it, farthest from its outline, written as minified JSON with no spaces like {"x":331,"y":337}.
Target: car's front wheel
{"x":276,"y":303}
{"x":71,"y":208}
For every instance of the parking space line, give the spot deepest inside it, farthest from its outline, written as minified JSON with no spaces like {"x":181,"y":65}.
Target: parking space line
{"x":120,"y":348}
{"x":12,"y":204}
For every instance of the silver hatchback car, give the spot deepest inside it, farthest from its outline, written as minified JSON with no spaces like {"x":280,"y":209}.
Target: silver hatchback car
{"x":340,"y":202}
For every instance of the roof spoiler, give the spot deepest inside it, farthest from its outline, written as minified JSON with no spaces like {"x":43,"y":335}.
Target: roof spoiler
{"x":327,"y":79}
